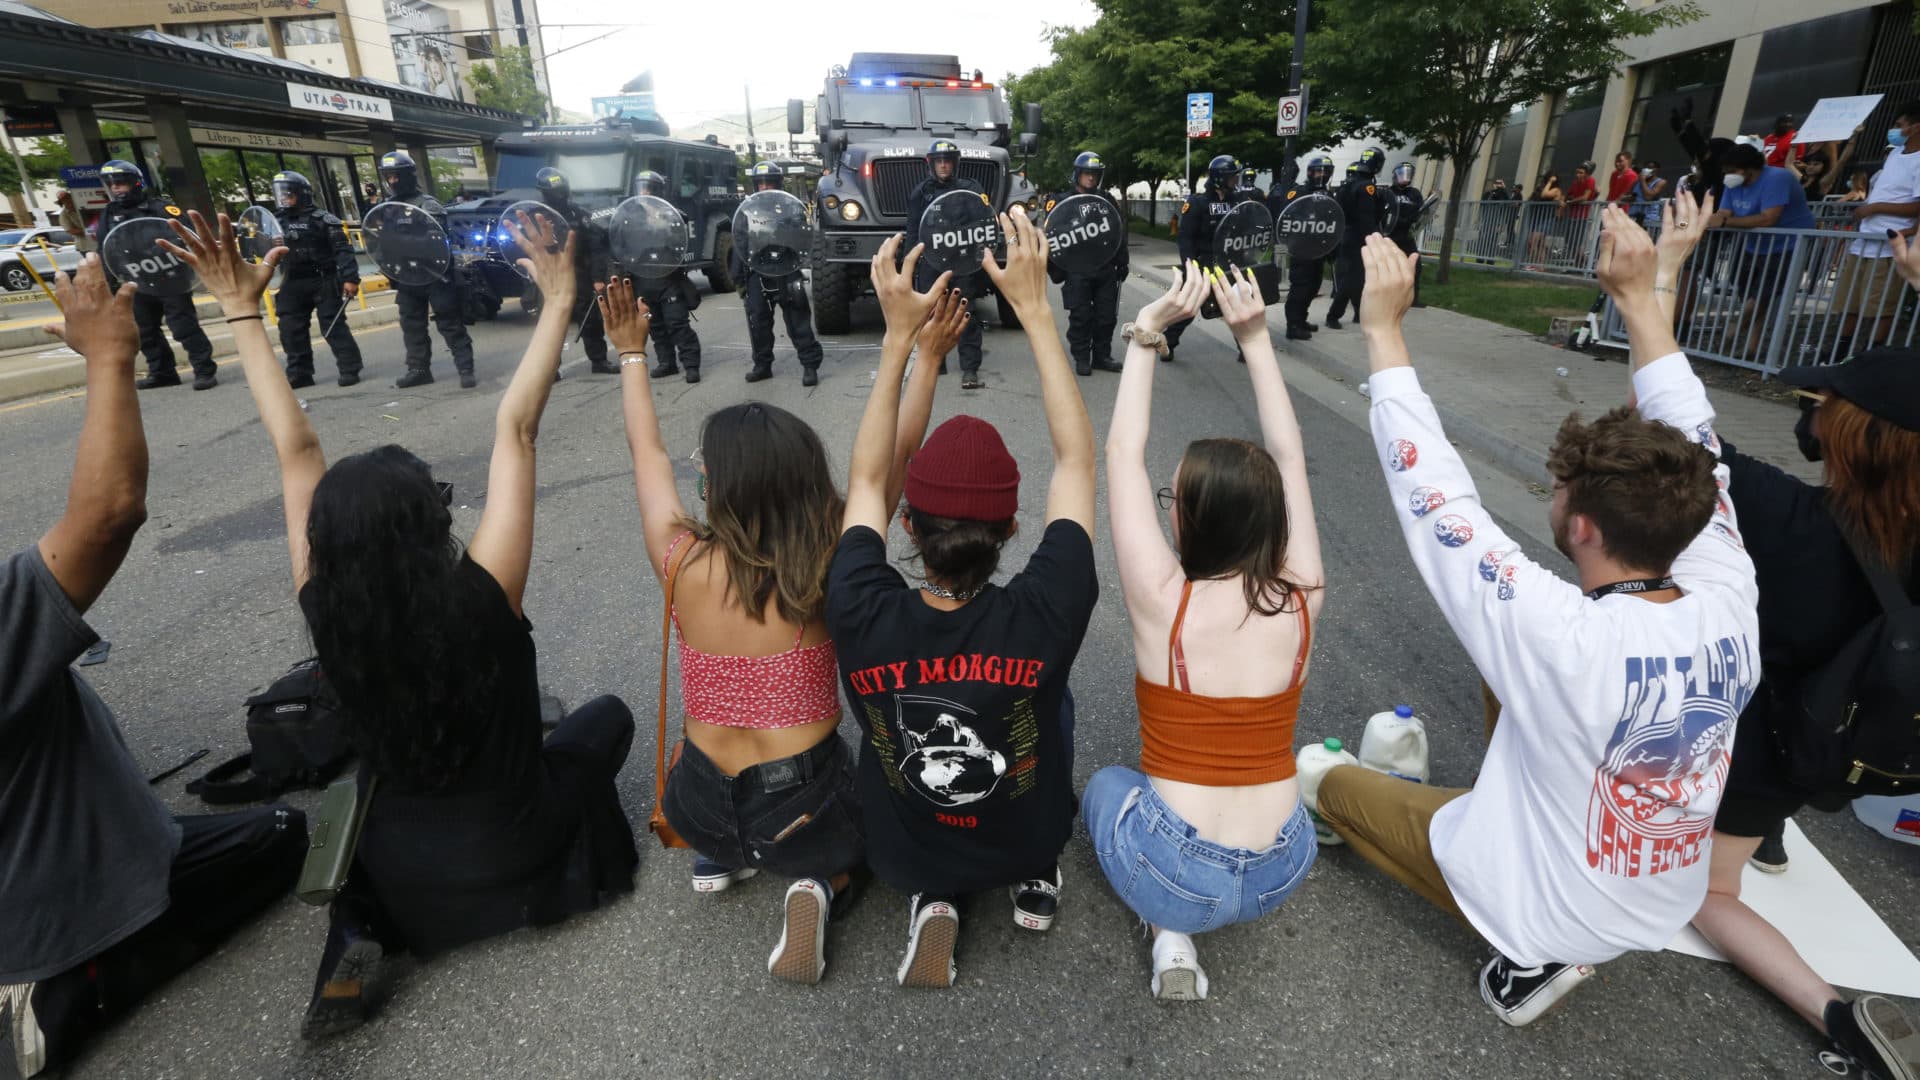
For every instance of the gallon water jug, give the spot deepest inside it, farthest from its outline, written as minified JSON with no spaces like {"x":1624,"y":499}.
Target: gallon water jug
{"x":1396,"y":744}
{"x":1311,"y":763}
{"x":1893,"y":816}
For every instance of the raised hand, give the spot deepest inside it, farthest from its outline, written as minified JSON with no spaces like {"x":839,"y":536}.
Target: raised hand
{"x":1681,"y":227}
{"x":1389,"y":292}
{"x":1182,"y":300}
{"x":944,"y":325}
{"x":214,"y":254}
{"x":626,"y":318}
{"x":549,"y":261}
{"x":1238,"y":295}
{"x":1627,"y":258}
{"x":904,"y":306}
{"x":1023,"y":280}
{"x":99,"y":321}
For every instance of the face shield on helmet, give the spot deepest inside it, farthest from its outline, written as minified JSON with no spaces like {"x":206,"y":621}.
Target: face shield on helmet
{"x":1223,"y":173}
{"x":125,"y":176}
{"x":650,"y":183}
{"x":398,"y":174}
{"x":291,"y":191}
{"x":1088,"y":165}
{"x":1403,"y":174}
{"x":943,"y":151}
{"x":1319,"y":170}
{"x":768,"y":177}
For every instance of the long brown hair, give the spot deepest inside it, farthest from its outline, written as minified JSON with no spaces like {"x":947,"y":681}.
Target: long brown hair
{"x":1873,"y":476}
{"x":772,"y":509}
{"x":1232,"y":512}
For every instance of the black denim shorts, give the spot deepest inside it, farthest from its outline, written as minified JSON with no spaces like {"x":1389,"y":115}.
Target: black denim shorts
{"x":798,"y":816}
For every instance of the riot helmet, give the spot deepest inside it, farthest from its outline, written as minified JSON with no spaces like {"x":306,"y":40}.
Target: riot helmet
{"x":1086,"y":163}
{"x":1372,"y":160}
{"x":119,"y":171}
{"x":1403,"y":174}
{"x":650,"y":183}
{"x":1248,"y":175}
{"x":399,"y":174}
{"x":1223,"y":173}
{"x":943,"y":150}
{"x":767,"y":176}
{"x":292,"y":191}
{"x":552,"y":183}
{"x":1319,"y":170}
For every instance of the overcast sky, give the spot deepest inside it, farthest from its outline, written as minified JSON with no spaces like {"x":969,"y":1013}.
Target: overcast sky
{"x":705,"y":55}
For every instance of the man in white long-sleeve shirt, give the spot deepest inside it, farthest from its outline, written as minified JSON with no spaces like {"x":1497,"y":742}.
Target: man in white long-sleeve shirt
{"x":1587,"y":833}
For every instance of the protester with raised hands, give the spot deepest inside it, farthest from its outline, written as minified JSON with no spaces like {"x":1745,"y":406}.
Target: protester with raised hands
{"x":103,"y":894}
{"x":960,"y":685}
{"x":1209,"y":830}
{"x":475,"y":827}
{"x":1588,"y":831}
{"x":763,"y":782}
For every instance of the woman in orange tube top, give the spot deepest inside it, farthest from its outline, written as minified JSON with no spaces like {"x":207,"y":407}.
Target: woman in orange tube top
{"x":763,"y":782}
{"x":1209,"y":831}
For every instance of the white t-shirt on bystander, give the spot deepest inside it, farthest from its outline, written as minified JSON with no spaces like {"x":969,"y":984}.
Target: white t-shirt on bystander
{"x":1898,"y":182}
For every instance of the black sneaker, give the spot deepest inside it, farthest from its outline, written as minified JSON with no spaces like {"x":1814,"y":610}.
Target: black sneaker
{"x":29,"y":1042}
{"x":412,"y":378}
{"x":206,"y":382}
{"x":1771,"y":856}
{"x":154,"y":382}
{"x":810,"y":376}
{"x":350,"y":379}
{"x":468,"y":380}
{"x":1036,"y":901}
{"x":300,"y":382}
{"x":341,"y":1000}
{"x":710,"y":876}
{"x":1520,"y":995}
{"x":933,"y":929}
{"x":757,"y":373}
{"x":1876,"y":1035}
{"x":662,"y":369}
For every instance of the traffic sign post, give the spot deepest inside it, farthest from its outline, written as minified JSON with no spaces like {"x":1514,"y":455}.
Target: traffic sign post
{"x":1199,"y":126}
{"x":1292,"y":115}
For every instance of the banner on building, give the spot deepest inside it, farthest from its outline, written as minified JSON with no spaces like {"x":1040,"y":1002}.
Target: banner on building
{"x":423,"y":48}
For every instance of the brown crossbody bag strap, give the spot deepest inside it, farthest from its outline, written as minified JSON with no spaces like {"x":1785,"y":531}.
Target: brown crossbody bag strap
{"x":657,"y":822}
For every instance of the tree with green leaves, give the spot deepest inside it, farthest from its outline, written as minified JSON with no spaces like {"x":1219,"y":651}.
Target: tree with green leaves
{"x":1440,"y":73}
{"x":507,"y":82}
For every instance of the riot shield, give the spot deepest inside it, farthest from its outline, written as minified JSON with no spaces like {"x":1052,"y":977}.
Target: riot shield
{"x":132,"y":253}
{"x":649,"y":237}
{"x":258,"y":232}
{"x":1245,"y":236}
{"x":956,"y":228}
{"x":771,"y":232}
{"x":406,"y":243}
{"x":1311,"y":226}
{"x":1428,"y":211}
{"x":1084,"y":233}
{"x":528,"y":210}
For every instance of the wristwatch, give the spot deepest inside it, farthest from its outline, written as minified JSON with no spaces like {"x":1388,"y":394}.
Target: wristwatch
{"x":1152,"y":339}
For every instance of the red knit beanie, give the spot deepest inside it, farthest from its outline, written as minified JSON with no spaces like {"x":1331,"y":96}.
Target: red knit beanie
{"x":963,"y":471}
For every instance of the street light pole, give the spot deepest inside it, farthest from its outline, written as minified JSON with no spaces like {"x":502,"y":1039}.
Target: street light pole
{"x":1295,"y":76}
{"x":753,"y":145}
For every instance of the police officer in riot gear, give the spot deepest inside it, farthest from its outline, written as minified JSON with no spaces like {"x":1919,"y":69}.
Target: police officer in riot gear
{"x":1364,"y":204}
{"x":590,"y":258}
{"x":1198,"y":219}
{"x":674,"y":341}
{"x":1406,"y":201}
{"x":318,"y":274}
{"x":1249,"y":190}
{"x":943,"y":176}
{"x":1092,"y":300}
{"x":128,"y":187}
{"x":1303,"y":275}
{"x":401,"y":178}
{"x":763,"y":294}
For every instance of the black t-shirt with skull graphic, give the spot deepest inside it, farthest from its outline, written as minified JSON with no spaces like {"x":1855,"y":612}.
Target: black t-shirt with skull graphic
{"x":964,"y":768}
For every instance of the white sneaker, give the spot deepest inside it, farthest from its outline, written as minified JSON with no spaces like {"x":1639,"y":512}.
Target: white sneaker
{"x":801,"y":955}
{"x":1036,"y":901}
{"x":933,"y":931}
{"x":29,"y":1042}
{"x":710,"y":876}
{"x":1177,"y":975}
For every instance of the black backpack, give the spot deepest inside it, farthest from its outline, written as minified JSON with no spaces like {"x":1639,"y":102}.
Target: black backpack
{"x":1852,"y":725}
{"x":296,"y":737}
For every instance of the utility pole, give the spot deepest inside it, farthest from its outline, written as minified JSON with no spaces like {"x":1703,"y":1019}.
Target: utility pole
{"x":1295,"y":77}
{"x":753,"y":145}
{"x":26,"y":184}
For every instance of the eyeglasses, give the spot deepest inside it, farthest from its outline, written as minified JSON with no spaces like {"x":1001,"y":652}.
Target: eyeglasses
{"x":1165,"y":495}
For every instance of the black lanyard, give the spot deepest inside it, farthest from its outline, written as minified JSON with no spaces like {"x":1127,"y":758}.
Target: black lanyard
{"x":1638,"y":585}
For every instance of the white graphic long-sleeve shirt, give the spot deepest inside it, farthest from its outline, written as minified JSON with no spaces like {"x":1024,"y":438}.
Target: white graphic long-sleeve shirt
{"x":1588,"y":832}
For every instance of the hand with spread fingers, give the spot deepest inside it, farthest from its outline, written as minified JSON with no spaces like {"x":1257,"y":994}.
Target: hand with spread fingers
{"x":625,"y":316}
{"x":1389,"y":292}
{"x":944,"y":325}
{"x":1023,"y":279}
{"x":1627,"y":258}
{"x":1181,"y":301}
{"x":1681,"y":226}
{"x":1238,"y":296}
{"x":98,"y":319}
{"x":549,"y":261}
{"x":904,"y":306}
{"x":214,"y":254}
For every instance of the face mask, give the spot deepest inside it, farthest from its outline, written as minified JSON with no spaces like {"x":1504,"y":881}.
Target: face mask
{"x":1896,"y":137}
{"x":1803,"y":431}
{"x":1733,"y":180}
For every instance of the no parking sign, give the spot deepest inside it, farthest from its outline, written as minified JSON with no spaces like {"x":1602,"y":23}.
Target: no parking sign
{"x":1292,"y":114}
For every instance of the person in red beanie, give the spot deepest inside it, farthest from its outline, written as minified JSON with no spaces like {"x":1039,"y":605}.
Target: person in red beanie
{"x":960,"y":685}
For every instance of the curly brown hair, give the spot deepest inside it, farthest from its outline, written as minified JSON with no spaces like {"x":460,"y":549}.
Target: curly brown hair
{"x":1647,"y":486}
{"x":1873,"y":476}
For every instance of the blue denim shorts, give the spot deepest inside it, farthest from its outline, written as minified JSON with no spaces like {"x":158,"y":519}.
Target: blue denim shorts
{"x":1174,"y":879}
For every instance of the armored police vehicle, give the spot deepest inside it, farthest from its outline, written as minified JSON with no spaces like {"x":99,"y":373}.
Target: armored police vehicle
{"x":875,"y":119}
{"x":600,"y":161}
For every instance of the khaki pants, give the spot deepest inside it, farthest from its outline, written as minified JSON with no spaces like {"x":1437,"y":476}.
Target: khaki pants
{"x":1385,"y":819}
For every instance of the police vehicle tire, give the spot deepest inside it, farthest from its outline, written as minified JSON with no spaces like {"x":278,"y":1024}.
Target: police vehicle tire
{"x":833,"y":297}
{"x":716,"y":270}
{"x":17,"y":279}
{"x":1009,"y":319}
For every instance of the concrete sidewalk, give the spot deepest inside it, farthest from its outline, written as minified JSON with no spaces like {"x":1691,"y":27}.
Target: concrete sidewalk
{"x":1501,"y":391}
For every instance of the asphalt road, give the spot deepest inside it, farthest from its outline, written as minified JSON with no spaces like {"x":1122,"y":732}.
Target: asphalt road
{"x":1353,"y":977}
